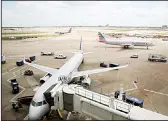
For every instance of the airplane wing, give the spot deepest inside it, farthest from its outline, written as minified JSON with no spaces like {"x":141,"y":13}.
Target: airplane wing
{"x":43,"y":68}
{"x":94,"y":71}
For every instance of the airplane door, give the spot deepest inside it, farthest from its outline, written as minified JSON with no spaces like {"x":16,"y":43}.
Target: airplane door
{"x":56,"y":101}
{"x":69,"y":77}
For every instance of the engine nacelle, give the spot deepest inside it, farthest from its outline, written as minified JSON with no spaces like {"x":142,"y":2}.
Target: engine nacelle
{"x":86,"y":82}
{"x":45,"y":78}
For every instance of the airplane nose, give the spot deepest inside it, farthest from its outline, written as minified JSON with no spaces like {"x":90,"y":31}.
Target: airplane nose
{"x":36,"y":112}
{"x":33,"y":114}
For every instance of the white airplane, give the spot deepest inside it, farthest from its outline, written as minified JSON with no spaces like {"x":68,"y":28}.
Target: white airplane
{"x":64,"y":32}
{"x":39,"y":106}
{"x":124,"y":43}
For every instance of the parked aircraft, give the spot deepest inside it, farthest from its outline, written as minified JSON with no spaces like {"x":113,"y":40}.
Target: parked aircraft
{"x":124,"y":43}
{"x":39,"y":106}
{"x":64,"y":32}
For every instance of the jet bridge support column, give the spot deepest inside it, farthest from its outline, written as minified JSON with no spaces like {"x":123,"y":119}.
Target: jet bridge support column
{"x":68,"y":99}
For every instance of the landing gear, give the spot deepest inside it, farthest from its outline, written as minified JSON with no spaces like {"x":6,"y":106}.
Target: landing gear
{"x":126,"y":47}
{"x":132,"y":47}
{"x":83,"y":61}
{"x":147,"y":47}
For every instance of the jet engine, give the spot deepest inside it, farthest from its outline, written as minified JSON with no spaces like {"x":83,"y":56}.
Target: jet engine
{"x":45,"y":78}
{"x":86,"y":82}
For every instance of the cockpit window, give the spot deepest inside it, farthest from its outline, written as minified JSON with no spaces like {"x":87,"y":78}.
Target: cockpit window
{"x":33,"y":103}
{"x":39,"y":104}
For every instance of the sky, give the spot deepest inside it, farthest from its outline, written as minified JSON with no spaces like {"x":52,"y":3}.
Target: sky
{"x":84,"y":13}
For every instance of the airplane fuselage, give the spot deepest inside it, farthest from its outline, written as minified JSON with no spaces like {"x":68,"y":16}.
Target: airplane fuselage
{"x":39,"y":109}
{"x":128,"y":42}
{"x":124,"y":43}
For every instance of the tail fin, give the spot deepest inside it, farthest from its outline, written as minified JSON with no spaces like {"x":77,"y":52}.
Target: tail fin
{"x":101,"y":37}
{"x":80,"y":44}
{"x":70,"y":30}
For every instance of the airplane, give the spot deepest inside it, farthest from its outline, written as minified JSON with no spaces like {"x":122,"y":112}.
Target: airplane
{"x":39,"y":106}
{"x":125,"y":43}
{"x":64,"y":32}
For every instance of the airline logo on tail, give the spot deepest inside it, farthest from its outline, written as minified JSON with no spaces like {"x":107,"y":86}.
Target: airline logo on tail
{"x":101,"y":37}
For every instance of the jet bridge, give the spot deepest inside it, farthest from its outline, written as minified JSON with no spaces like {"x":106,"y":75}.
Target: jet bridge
{"x":76,"y":98}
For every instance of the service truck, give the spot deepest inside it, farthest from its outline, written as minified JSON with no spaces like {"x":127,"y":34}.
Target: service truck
{"x":157,"y":58}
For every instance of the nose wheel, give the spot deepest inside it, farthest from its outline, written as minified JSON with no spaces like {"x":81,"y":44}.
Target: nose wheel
{"x":83,"y":61}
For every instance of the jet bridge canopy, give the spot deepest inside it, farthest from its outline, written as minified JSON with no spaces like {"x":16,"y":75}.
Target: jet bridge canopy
{"x":98,"y":106}
{"x":48,"y":97}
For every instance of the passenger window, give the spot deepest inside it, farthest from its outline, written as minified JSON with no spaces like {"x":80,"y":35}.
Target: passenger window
{"x":44,"y":102}
{"x":39,"y":104}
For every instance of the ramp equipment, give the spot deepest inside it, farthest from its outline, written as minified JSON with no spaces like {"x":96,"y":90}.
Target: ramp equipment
{"x":3,"y":61}
{"x":22,"y":100}
{"x":32,"y":58}
{"x":19,"y":63}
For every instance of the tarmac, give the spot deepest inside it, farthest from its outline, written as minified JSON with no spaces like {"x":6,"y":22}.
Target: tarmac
{"x":151,"y":77}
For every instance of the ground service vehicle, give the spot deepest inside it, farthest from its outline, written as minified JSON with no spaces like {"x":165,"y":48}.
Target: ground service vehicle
{"x":15,"y":86}
{"x":165,"y":39}
{"x":134,"y":101}
{"x":60,"y":56}
{"x":3,"y":61}
{"x":20,"y":63}
{"x":129,"y":99}
{"x":28,"y":73}
{"x":28,"y":60}
{"x":48,"y":53}
{"x":157,"y":58}
{"x":102,"y":64}
{"x":32,"y":58}
{"x":134,"y":56}
{"x":113,"y":65}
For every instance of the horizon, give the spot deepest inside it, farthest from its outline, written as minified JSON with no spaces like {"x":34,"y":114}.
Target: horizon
{"x":82,"y":26}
